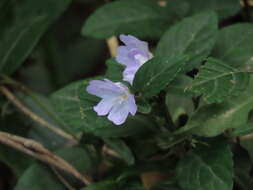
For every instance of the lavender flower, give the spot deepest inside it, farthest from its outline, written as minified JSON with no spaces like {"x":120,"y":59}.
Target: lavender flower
{"x":133,"y":55}
{"x":116,"y":100}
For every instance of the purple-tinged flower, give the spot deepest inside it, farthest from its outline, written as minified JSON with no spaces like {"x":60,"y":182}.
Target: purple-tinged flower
{"x":116,"y":100}
{"x":133,"y":55}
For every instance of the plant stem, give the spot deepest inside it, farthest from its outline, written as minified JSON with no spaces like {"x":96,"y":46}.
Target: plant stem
{"x":8,"y":94}
{"x":36,"y":150}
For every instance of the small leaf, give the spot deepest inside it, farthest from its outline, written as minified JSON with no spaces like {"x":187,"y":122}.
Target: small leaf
{"x":156,"y":73}
{"x":176,"y":93}
{"x":114,"y":70}
{"x":78,"y":157}
{"x":233,"y":45}
{"x":122,"y":149}
{"x":39,"y":177}
{"x":14,"y":48}
{"x":210,"y":169}
{"x":245,"y":129}
{"x":32,"y":20}
{"x":218,"y":81}
{"x":194,"y":36}
{"x":143,"y":106}
{"x":141,"y":18}
{"x":213,"y":119}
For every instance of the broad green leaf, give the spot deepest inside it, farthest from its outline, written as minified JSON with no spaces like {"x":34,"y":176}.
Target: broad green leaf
{"x":141,"y":18}
{"x":194,"y":36}
{"x":103,"y":185}
{"x":214,"y":119}
{"x":217,"y":81}
{"x":224,"y":8}
{"x":122,"y":149}
{"x":39,"y":177}
{"x":245,"y":129}
{"x":78,"y":157}
{"x":156,"y":73}
{"x":114,"y":70}
{"x":177,"y":93}
{"x":42,"y":107}
{"x":32,"y":20}
{"x":207,"y":169}
{"x":19,"y":42}
{"x":75,"y":107}
{"x":234,"y":45}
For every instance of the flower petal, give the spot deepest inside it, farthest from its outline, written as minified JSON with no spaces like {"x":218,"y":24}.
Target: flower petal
{"x":133,"y":42}
{"x":119,"y":113}
{"x":103,"y":89}
{"x":104,"y":106}
{"x":122,"y":56}
{"x":132,"y":105}
{"x":129,"y":73}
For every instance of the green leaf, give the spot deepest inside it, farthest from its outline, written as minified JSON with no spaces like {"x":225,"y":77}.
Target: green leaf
{"x":15,"y":47}
{"x":42,"y":107}
{"x":142,"y":18}
{"x":32,"y":20}
{"x":224,"y":8}
{"x":114,"y":70}
{"x":218,"y":81}
{"x":17,"y":161}
{"x":177,"y":93}
{"x":143,"y":106}
{"x":213,"y":119}
{"x":156,"y":73}
{"x":122,"y":149}
{"x":103,"y":185}
{"x":75,"y":107}
{"x":245,"y":129}
{"x":233,"y":45}
{"x":194,"y":36}
{"x":38,"y":177}
{"x":210,"y":169}
{"x":78,"y":157}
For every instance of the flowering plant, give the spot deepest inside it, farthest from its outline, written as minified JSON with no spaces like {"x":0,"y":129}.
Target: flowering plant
{"x":151,"y":95}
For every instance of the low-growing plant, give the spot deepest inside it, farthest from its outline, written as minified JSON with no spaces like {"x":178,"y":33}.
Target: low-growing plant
{"x":126,"y":94}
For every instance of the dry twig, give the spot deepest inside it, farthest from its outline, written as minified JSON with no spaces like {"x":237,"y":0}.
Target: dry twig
{"x":15,"y":101}
{"x":36,"y":150}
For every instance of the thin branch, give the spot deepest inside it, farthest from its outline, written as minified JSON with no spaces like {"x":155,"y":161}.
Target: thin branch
{"x":36,"y":150}
{"x":33,"y":116}
{"x":13,"y":83}
{"x":112,"y":44}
